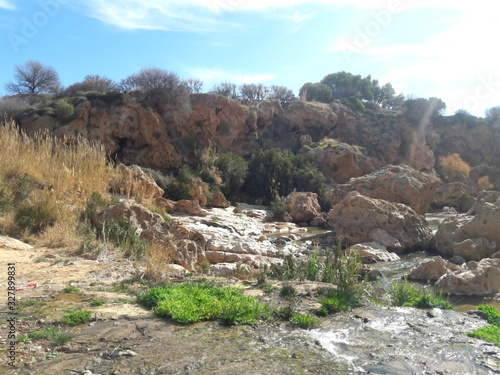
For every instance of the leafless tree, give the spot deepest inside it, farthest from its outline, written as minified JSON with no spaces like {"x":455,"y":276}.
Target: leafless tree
{"x":226,"y":89}
{"x":194,"y":85}
{"x":253,"y":91}
{"x":92,"y":82}
{"x":283,"y":94}
{"x":160,"y":86}
{"x":33,"y":78}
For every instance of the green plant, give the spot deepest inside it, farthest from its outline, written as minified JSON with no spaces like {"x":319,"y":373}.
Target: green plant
{"x":21,"y":305}
{"x":63,"y":110}
{"x":193,"y":302}
{"x":97,"y":302}
{"x":288,"y":290}
{"x":70,"y":289}
{"x":36,"y":216}
{"x":180,"y":186}
{"x":73,"y":318}
{"x":266,"y":288}
{"x":491,"y":332}
{"x":407,"y":294}
{"x":426,"y":301}
{"x":122,"y":233}
{"x":305,"y":321}
{"x":279,"y":207}
{"x":286,"y":312}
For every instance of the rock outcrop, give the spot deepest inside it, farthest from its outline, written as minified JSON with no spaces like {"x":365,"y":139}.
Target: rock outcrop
{"x":304,"y":206}
{"x":471,"y":237}
{"x":396,"y":226}
{"x":398,"y":184}
{"x":133,"y":181}
{"x":474,"y":279}
{"x":372,"y":252}
{"x":455,"y":194}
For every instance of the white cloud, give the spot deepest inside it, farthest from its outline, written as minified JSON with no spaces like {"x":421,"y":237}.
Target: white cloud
{"x":221,"y":75}
{"x":6,"y":4}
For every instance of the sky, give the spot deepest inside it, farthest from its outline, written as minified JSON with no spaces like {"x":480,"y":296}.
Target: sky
{"x":424,"y":48}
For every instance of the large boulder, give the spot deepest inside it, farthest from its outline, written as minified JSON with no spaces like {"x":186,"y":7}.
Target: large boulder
{"x":477,"y":231}
{"x":455,"y":194}
{"x":430,"y":269}
{"x":398,"y":184}
{"x":133,"y":181}
{"x":372,"y":252}
{"x":475,"y":279}
{"x":362,"y":219}
{"x":303,"y":206}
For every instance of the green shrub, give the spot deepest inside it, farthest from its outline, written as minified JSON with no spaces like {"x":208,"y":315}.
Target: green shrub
{"x":35,"y":217}
{"x":233,"y":170}
{"x":179,"y":187}
{"x":288,"y":291}
{"x":123,"y":234}
{"x":73,"y":318}
{"x":5,"y":201}
{"x":305,"y":321}
{"x":279,"y":207}
{"x":97,"y":302}
{"x":70,"y":289}
{"x":491,"y":332}
{"x":190,"y":302}
{"x":407,"y":294}
{"x":64,"y":111}
{"x":354,"y":103}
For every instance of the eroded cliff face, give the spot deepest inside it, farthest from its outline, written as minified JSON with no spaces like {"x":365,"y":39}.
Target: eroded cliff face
{"x":162,"y":138}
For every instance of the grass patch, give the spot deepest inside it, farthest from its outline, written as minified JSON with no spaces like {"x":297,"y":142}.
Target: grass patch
{"x":97,"y":302}
{"x":407,"y":294}
{"x":30,"y":303}
{"x":305,"y":321}
{"x":56,"y":336}
{"x":73,"y":318}
{"x":288,"y":291}
{"x":491,"y":332}
{"x":70,"y":289}
{"x":189,"y":303}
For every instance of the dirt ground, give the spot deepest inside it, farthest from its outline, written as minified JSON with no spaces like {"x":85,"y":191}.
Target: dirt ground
{"x":123,"y":337}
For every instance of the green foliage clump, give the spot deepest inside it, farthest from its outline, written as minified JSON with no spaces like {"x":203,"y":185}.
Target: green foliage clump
{"x":123,"y":234}
{"x":491,"y":332}
{"x":279,"y":207}
{"x":97,"y":302}
{"x":277,"y":172}
{"x":354,"y":103}
{"x":57,"y":336}
{"x":316,"y":92}
{"x":288,"y":291}
{"x":190,"y":302}
{"x":70,"y":289}
{"x":73,"y":318}
{"x":233,"y":170}
{"x":35,"y":217}
{"x":407,"y":294}
{"x":305,"y":321}
{"x":63,"y":110}
{"x":180,"y":186}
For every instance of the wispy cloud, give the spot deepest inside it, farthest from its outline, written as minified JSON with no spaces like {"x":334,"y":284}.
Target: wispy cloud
{"x":6,"y":4}
{"x":221,"y":75}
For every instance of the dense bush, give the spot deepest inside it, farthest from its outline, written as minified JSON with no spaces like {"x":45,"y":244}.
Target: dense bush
{"x":179,"y":187}
{"x":64,"y":111}
{"x":233,"y":170}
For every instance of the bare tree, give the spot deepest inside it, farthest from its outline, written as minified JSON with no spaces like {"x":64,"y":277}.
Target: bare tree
{"x":92,"y":82}
{"x":283,"y":94}
{"x":160,"y":85}
{"x":194,"y":85}
{"x":252,"y":91}
{"x":226,"y":89}
{"x":33,"y":78}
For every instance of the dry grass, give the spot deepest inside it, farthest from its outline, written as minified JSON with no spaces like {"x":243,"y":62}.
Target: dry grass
{"x":54,"y":174}
{"x":454,"y":162}
{"x":157,"y":257}
{"x":484,"y":183}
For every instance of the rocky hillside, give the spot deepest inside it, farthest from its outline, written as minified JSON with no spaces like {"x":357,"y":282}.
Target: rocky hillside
{"x":357,"y":143}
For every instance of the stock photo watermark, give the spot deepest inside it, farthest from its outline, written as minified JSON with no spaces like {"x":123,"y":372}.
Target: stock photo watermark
{"x":486,"y":87}
{"x":30,"y":26}
{"x":378,"y":21}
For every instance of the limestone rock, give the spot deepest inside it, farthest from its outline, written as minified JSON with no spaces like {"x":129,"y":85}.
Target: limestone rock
{"x":373,"y":252}
{"x":190,"y":208}
{"x":398,"y":184}
{"x":453,"y":195}
{"x":362,"y":219}
{"x":485,"y":224}
{"x":133,"y":181}
{"x":480,"y":280}
{"x":303,"y":206}
{"x":474,"y":249}
{"x":220,"y":201}
{"x":198,"y":191}
{"x":429,"y":270}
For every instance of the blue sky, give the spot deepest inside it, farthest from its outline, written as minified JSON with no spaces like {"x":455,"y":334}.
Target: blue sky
{"x":424,"y":48}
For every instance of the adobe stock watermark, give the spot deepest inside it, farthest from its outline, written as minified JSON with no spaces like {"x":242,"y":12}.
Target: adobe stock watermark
{"x":30,"y":26}
{"x":484,"y":91}
{"x":378,"y":21}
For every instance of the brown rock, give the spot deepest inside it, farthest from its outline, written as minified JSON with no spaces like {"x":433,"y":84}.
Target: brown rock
{"x":373,"y":252}
{"x":303,"y":206}
{"x":133,"y":181}
{"x":198,"y":191}
{"x":165,"y":204}
{"x":474,"y":249}
{"x":220,"y":201}
{"x":428,"y":270}
{"x":361,"y":219}
{"x":453,"y":195}
{"x":190,"y":208}
{"x":398,"y":184}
